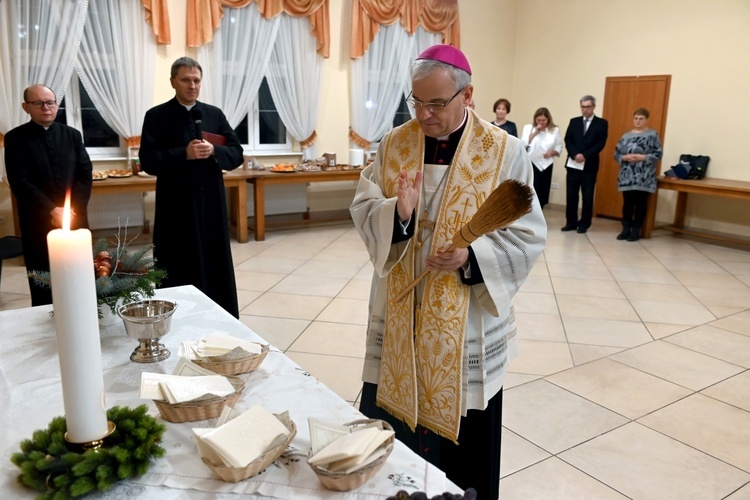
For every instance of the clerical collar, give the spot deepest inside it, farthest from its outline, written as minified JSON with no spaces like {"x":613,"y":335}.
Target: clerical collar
{"x":186,"y":106}
{"x":440,"y":150}
{"x":42,"y":126}
{"x":461,"y":126}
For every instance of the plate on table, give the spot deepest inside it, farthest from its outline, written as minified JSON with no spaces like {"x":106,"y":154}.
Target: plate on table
{"x":99,"y":176}
{"x":337,"y":167}
{"x":115,"y":173}
{"x":309,"y":167}
{"x":284,"y":168}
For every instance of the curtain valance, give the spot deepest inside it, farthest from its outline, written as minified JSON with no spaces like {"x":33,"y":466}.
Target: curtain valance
{"x":204,"y":17}
{"x":436,"y":16}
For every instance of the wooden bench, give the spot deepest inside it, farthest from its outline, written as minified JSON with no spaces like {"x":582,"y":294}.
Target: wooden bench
{"x":710,"y":187}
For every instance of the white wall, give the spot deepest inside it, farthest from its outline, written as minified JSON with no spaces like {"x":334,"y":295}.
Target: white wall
{"x":551,"y":52}
{"x":566,"y":48}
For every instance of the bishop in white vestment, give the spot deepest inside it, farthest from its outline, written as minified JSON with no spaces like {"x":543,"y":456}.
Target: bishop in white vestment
{"x":435,"y":360}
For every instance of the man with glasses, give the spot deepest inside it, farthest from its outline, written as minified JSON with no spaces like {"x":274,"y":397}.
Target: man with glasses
{"x":44,"y":160}
{"x":584,"y":140}
{"x":435,"y":360}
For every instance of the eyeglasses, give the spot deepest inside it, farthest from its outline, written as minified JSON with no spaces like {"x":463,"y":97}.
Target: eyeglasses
{"x":41,"y":104}
{"x":433,"y":107}
{"x":587,"y":106}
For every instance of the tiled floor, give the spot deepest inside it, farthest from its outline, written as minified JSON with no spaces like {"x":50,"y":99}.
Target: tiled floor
{"x":633,"y":378}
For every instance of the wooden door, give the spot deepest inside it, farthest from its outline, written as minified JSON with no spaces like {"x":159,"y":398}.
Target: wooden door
{"x":622,"y":96}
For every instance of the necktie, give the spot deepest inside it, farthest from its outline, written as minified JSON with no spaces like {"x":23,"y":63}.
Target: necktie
{"x":586,"y":122}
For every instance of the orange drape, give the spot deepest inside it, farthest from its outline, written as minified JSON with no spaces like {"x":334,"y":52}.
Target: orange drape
{"x":204,"y":17}
{"x":133,"y":142}
{"x":359,"y":140}
{"x":306,"y":143}
{"x":157,"y":15}
{"x":436,"y":16}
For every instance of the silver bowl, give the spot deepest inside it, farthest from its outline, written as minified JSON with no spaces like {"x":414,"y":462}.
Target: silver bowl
{"x":147,"y":321}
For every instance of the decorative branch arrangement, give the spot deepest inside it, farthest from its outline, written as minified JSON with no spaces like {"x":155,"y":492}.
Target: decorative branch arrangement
{"x":122,"y":275}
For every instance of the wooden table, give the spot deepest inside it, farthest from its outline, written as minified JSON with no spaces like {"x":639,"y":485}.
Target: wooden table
{"x":725,"y":188}
{"x":260,"y":178}
{"x":234,"y":181}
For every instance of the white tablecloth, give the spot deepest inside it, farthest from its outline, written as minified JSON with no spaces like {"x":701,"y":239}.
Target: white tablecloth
{"x":31,"y":395}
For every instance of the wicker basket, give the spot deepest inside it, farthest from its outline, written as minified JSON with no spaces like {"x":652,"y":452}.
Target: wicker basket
{"x":235,"y":366}
{"x":206,"y":409}
{"x":339,"y":481}
{"x":236,"y":474}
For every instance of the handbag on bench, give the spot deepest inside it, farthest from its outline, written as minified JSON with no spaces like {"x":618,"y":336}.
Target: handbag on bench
{"x":690,"y":167}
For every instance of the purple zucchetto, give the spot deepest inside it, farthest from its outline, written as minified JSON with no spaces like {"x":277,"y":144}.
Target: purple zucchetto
{"x":447,"y":54}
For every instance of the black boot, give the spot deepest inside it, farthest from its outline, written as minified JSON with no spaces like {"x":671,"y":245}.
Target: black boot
{"x":625,"y":230}
{"x":635,"y":232}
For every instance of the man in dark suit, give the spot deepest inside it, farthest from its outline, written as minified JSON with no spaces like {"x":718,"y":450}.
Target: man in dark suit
{"x":584,"y":140}
{"x":44,"y":160}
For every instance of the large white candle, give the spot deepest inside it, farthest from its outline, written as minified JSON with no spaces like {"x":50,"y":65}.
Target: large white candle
{"x":76,"y":322}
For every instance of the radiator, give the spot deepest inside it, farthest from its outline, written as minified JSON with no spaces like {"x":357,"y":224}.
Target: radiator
{"x":116,"y":210}
{"x":280,"y":199}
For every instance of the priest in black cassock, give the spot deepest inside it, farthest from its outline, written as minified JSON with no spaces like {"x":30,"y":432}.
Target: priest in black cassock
{"x":191,"y":233}
{"x":44,"y":160}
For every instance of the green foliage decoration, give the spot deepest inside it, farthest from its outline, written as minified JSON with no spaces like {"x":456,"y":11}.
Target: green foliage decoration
{"x":134,"y":274}
{"x":50,"y":464}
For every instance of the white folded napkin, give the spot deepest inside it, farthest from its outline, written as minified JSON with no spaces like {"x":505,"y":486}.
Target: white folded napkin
{"x":216,"y":344}
{"x":243,"y":439}
{"x":187,"y":368}
{"x":182,"y":389}
{"x":345,"y":449}
{"x":150,"y":385}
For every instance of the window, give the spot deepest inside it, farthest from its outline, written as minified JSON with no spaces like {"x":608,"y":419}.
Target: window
{"x":78,"y":111}
{"x":265,"y":131}
{"x":402,"y":116}
{"x":402,"y":113}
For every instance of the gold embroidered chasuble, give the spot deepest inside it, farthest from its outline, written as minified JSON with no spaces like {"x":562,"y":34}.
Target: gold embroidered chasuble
{"x":423,"y":343}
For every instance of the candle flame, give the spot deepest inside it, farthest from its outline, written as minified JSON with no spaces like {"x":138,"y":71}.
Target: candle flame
{"x":66,"y":213}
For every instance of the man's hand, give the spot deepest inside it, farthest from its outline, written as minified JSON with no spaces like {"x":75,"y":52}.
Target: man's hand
{"x":448,"y":261}
{"x":408,"y":194}
{"x":57,"y":216}
{"x":579,"y":158}
{"x":199,"y":150}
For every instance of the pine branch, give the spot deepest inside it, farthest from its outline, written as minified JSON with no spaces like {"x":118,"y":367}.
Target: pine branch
{"x":49,"y":466}
{"x":134,"y":275}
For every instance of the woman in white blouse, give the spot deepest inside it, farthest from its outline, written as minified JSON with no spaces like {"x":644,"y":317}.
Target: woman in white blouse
{"x":543,"y":143}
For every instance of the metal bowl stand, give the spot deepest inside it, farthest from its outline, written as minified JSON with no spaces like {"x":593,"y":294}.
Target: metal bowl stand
{"x":150,"y":351}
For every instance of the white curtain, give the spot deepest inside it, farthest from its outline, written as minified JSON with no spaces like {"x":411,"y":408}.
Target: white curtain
{"x":236,"y":61}
{"x":39,"y":41}
{"x":117,"y":57}
{"x":294,"y":78}
{"x":378,"y":81}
